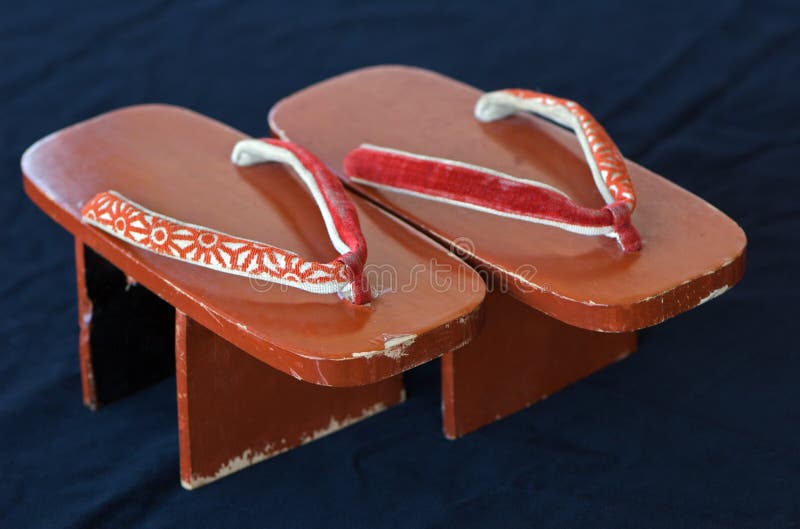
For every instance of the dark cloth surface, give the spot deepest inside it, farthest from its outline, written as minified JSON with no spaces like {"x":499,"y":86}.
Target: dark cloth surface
{"x":700,"y":428}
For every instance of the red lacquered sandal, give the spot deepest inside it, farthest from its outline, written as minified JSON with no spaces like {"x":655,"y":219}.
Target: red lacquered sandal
{"x":511,"y":193}
{"x":275,"y":343}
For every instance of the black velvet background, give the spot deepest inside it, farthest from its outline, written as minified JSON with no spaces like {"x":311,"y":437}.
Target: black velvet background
{"x":700,"y":428}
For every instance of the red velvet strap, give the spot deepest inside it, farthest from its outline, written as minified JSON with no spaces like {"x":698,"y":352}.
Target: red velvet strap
{"x":209,"y":248}
{"x":501,"y":194}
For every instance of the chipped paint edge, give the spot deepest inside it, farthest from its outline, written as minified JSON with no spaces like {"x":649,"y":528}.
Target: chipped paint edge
{"x":250,"y":457}
{"x":713,"y":294}
{"x":395,"y":347}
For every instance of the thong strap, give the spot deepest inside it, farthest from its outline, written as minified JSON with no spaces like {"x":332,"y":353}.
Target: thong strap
{"x":198,"y":245}
{"x":490,"y":191}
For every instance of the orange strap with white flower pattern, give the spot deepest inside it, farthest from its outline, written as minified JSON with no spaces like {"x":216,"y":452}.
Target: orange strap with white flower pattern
{"x":219,"y":251}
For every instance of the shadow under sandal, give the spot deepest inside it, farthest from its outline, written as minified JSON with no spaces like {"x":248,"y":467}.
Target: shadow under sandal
{"x":574,"y":268}
{"x":276,"y":343}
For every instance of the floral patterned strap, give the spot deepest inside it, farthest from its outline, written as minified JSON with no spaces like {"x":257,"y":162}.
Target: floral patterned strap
{"x":604,"y":159}
{"x":219,"y":251}
{"x":490,"y":191}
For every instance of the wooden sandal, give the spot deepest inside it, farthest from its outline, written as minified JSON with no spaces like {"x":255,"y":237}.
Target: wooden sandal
{"x":562,"y":305}
{"x":272,"y":349}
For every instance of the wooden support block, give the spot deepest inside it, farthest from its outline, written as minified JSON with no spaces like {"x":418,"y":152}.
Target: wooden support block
{"x":234,"y":410}
{"x":520,"y":357}
{"x":116,"y":357}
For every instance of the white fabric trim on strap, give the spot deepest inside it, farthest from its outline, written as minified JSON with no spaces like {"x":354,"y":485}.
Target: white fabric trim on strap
{"x":251,"y":152}
{"x":497,"y":105}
